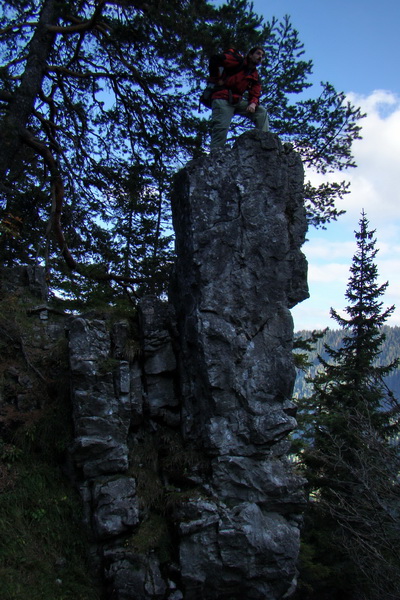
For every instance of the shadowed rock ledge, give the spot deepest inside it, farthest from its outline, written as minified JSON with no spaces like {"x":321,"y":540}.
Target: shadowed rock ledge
{"x":180,"y":448}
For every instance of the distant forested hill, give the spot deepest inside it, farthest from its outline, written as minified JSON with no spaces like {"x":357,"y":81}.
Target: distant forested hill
{"x":333,"y":337}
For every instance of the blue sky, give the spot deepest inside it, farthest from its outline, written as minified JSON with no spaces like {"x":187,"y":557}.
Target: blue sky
{"x":355,"y":45}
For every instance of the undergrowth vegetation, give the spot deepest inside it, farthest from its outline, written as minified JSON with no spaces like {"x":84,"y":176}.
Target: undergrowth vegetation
{"x":42,"y":549}
{"x":163,"y":469}
{"x":42,"y":543}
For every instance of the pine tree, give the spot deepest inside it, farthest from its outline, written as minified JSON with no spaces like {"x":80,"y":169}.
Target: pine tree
{"x":351,"y":458}
{"x":90,"y":89}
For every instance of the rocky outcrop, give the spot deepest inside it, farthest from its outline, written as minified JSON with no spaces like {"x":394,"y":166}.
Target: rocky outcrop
{"x":30,"y":279}
{"x":181,"y":439}
{"x":240,"y":222}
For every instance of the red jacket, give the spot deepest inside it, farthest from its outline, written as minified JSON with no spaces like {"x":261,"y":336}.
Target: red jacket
{"x":234,"y":86}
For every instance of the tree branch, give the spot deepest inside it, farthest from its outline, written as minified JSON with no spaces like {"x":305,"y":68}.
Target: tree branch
{"x":23,"y":100}
{"x":81,"y":26}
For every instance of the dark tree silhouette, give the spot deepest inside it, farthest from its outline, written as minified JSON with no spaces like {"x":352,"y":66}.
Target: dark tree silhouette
{"x":91,"y":91}
{"x":350,"y":449}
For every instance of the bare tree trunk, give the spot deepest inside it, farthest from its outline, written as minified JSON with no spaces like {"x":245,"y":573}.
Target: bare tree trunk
{"x":23,"y":99}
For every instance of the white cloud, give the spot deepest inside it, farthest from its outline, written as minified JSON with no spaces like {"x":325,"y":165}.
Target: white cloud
{"x":374,"y":189}
{"x":320,"y":249}
{"x":328,"y":273}
{"x":306,"y":316}
{"x":374,"y":182}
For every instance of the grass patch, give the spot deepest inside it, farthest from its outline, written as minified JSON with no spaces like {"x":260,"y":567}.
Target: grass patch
{"x":42,"y":546}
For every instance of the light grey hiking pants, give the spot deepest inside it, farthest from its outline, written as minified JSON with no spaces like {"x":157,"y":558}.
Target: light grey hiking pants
{"x":222,"y":113}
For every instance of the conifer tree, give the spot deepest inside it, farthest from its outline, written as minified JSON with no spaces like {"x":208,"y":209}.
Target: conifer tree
{"x":351,"y":458}
{"x":90,"y":89}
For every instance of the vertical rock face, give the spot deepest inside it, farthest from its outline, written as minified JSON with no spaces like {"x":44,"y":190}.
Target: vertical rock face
{"x":181,"y":440}
{"x":30,"y":278}
{"x":240,"y":222}
{"x":182,"y":411}
{"x":121,"y":394}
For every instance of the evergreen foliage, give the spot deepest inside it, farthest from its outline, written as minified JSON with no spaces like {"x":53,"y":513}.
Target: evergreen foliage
{"x":98,"y":107}
{"x":349,"y":451}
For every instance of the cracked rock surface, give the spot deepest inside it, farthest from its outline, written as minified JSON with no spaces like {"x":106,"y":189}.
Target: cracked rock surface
{"x":240,"y":222}
{"x":182,"y":414}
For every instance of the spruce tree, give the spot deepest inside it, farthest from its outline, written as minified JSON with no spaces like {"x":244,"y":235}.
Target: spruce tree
{"x":351,"y":457}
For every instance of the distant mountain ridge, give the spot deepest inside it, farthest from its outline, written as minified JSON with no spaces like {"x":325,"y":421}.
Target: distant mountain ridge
{"x":333,"y":337}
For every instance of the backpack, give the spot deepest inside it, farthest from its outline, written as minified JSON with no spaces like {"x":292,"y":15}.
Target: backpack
{"x":216,"y":73}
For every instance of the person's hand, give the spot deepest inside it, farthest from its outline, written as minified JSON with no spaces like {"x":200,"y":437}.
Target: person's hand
{"x":252,"y":107}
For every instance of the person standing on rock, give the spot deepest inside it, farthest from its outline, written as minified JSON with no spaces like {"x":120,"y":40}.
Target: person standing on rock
{"x":238,"y":76}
